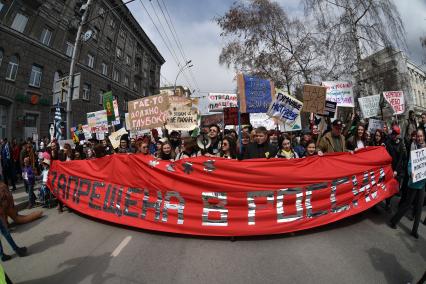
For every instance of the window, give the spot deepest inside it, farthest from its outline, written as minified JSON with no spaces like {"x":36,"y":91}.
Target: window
{"x":46,"y":36}
{"x":35,"y":78}
{"x":112,"y":23}
{"x":1,"y":6}
{"x":128,"y":60}
{"x":104,"y":69}
{"x":86,"y":92}
{"x":101,"y":97}
{"x":19,"y":22}
{"x":126,"y":105}
{"x":90,"y":60}
{"x":1,"y":56}
{"x":122,"y":33}
{"x":116,"y":75}
{"x":69,"y":48}
{"x":12,"y":68}
{"x":119,"y":52}
{"x":108,"y":44}
{"x":96,"y":33}
{"x":126,"y":81}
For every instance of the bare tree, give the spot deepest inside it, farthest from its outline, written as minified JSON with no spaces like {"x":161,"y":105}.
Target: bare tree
{"x":356,"y":28}
{"x":263,"y":40}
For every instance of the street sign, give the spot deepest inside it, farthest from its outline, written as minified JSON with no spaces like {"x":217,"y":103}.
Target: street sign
{"x":61,"y":87}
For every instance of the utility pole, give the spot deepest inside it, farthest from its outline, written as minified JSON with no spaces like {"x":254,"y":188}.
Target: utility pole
{"x":73,"y":63}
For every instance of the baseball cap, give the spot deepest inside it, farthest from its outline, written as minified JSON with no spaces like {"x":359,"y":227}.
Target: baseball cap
{"x":337,"y":123}
{"x":396,"y":130}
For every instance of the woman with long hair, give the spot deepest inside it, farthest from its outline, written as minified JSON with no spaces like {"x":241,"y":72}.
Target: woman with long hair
{"x":167,"y":152}
{"x":190,"y":149}
{"x":379,"y":138}
{"x":357,"y":141}
{"x":287,"y":150}
{"x":229,"y":148}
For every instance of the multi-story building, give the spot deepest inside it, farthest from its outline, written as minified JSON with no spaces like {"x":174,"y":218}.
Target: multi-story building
{"x":36,"y":43}
{"x":391,"y":70}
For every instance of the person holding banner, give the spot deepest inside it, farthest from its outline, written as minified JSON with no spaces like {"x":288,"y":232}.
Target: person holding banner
{"x":415,"y":193}
{"x":261,"y":148}
{"x":311,"y":150}
{"x":287,"y":150}
{"x":229,"y":148}
{"x":333,"y":141}
{"x":357,"y":141}
{"x":190,"y":149}
{"x":379,"y":138}
{"x":166,"y":152}
{"x":142,"y":147}
{"x":214,"y":135}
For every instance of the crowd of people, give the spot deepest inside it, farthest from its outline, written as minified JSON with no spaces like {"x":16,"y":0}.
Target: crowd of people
{"x":22,"y":161}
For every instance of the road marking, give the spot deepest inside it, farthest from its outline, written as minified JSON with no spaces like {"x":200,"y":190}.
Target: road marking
{"x":121,"y":246}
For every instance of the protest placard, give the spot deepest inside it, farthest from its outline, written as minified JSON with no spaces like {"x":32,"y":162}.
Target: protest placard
{"x":262,"y":119}
{"x":181,"y":117}
{"x":230,"y":116}
{"x":374,"y":124}
{"x":255,"y":94}
{"x":149,"y":112}
{"x":116,"y":113}
{"x":86,"y":132}
{"x":207,"y":120}
{"x":370,"y":106}
{"x":218,"y":101}
{"x":98,"y":121}
{"x":314,"y":98}
{"x":284,"y":107}
{"x":115,"y":137}
{"x":330,"y":109}
{"x":289,"y":126}
{"x":418,"y":164}
{"x":108,"y":104}
{"x":340,"y":92}
{"x":396,"y":101}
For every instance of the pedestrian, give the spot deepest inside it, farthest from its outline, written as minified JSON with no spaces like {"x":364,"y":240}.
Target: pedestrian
{"x":166,"y":152}
{"x":66,"y":154}
{"x":44,"y":195}
{"x":21,"y":251}
{"x":357,"y":141}
{"x":261,"y":148}
{"x":415,"y":193}
{"x":411,"y":126}
{"x":7,"y":164}
{"x":229,"y":148}
{"x":379,"y":138}
{"x":396,"y":149}
{"x":214,"y":135}
{"x":311,"y":150}
{"x":190,"y":149}
{"x":29,"y":180}
{"x":142,"y":147}
{"x":123,"y":148}
{"x":333,"y":141}
{"x":287,"y":150}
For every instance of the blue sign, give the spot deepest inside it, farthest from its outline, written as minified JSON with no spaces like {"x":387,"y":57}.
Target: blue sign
{"x":258,"y":94}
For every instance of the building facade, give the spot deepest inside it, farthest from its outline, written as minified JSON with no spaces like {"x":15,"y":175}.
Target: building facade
{"x":36,"y":44}
{"x":391,"y":70}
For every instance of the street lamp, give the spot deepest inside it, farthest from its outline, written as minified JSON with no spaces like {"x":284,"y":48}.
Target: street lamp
{"x":186,"y":66}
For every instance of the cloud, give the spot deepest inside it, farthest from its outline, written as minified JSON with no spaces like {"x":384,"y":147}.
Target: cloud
{"x":200,"y":37}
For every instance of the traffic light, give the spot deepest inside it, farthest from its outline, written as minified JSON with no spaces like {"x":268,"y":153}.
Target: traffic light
{"x":80,"y":7}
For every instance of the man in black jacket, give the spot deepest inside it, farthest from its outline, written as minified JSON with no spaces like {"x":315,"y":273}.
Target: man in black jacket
{"x":261,"y":148}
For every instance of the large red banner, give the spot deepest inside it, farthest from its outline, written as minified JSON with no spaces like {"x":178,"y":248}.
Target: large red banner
{"x":220,"y":197}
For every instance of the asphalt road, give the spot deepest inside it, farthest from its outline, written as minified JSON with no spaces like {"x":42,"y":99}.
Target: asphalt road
{"x":70,"y":248}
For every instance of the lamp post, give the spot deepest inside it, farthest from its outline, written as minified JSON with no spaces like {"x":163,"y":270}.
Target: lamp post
{"x":186,"y":66}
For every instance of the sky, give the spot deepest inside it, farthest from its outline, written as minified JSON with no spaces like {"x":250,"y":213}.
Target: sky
{"x":199,"y":37}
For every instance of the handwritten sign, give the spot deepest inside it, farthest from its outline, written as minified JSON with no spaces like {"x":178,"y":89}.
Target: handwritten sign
{"x":181,"y":117}
{"x":149,"y":112}
{"x":374,"y":124}
{"x":255,"y":94}
{"x":370,"y":106}
{"x":115,"y":137}
{"x":285,"y":107}
{"x":218,"y":101}
{"x":314,"y":98}
{"x":262,"y":119}
{"x":98,"y":121}
{"x":340,"y":92}
{"x":207,"y":120}
{"x":230,"y":116}
{"x":418,"y":164}
{"x":396,"y":101}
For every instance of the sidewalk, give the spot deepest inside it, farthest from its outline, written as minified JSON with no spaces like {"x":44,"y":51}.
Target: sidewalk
{"x":21,"y":197}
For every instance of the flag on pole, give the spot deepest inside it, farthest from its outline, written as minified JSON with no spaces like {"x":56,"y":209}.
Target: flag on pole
{"x":58,"y":121}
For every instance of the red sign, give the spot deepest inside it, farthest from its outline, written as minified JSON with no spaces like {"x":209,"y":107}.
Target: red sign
{"x":220,"y":197}
{"x":230,"y":116}
{"x":396,"y":100}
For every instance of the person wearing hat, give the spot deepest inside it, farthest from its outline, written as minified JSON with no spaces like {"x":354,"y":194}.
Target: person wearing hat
{"x":333,"y":141}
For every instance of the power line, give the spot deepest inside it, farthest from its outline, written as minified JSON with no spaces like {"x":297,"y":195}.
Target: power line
{"x":161,"y":36}
{"x":172,"y":29}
